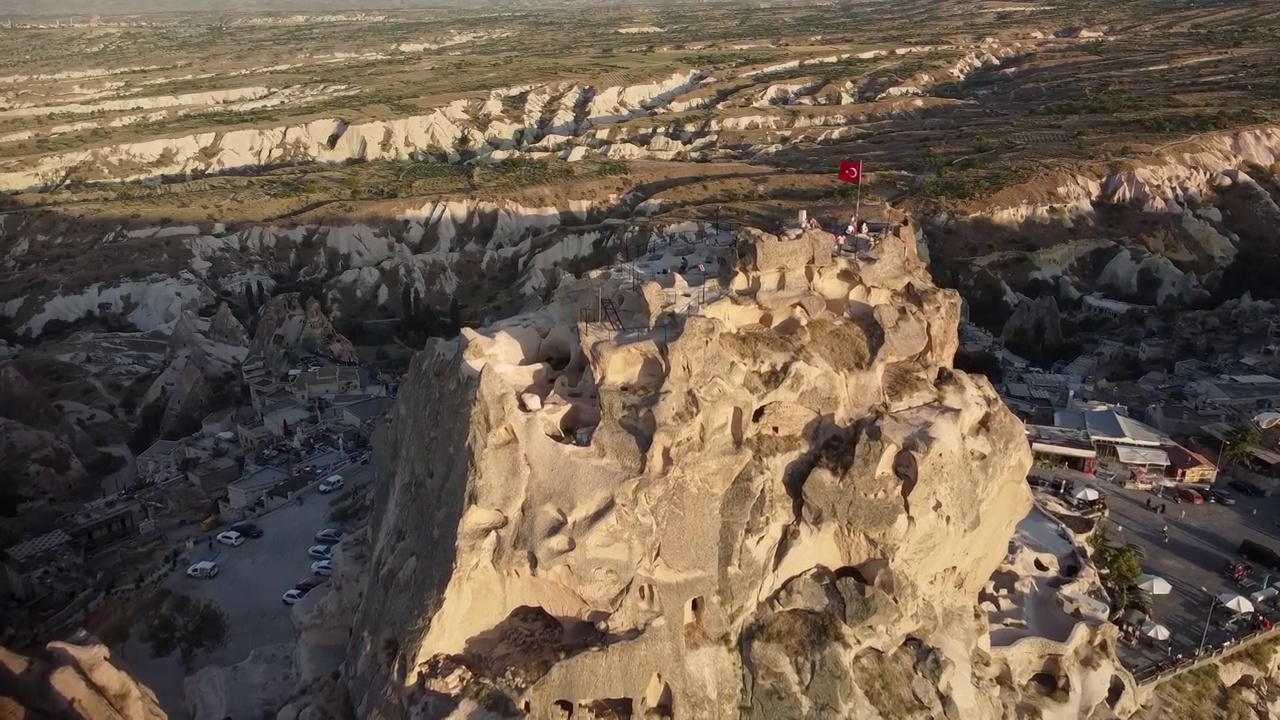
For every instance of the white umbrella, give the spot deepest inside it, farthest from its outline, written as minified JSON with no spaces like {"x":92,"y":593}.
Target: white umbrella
{"x":1086,"y":494}
{"x":1154,"y":585}
{"x":1155,"y":631}
{"x":1238,"y":603}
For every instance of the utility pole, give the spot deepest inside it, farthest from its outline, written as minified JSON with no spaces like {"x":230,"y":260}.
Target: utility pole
{"x":1204,"y":635}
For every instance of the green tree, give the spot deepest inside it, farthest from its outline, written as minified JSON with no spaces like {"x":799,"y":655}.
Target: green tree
{"x":406,"y":308}
{"x":149,"y":419}
{"x":455,"y":316}
{"x":188,"y":626}
{"x":1120,"y":567}
{"x":1239,"y":439}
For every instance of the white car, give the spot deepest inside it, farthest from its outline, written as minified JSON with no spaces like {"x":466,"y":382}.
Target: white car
{"x":320,"y":552}
{"x":203,"y":569}
{"x":231,"y":537}
{"x":328,"y":536}
{"x":329,"y":484}
{"x":292,"y":596}
{"x":323,"y":568}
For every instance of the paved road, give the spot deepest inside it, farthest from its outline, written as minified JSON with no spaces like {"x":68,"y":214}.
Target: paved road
{"x":1200,"y":544}
{"x":251,"y":580}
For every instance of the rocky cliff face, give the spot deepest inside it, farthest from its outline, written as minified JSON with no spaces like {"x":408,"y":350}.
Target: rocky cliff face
{"x":1158,"y":228}
{"x":784,"y":504}
{"x":71,"y":681}
{"x":430,"y":249}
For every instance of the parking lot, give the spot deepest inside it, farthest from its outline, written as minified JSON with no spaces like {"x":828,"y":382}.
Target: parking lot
{"x":251,"y":579}
{"x":1202,"y":540}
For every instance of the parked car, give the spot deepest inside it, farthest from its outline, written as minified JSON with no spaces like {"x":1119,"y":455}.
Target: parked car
{"x":1187,"y":495}
{"x":329,"y":484}
{"x":310,"y":582}
{"x":203,"y":569}
{"x":1259,"y":554}
{"x":320,"y":552}
{"x":231,"y":537}
{"x":329,"y":535}
{"x":323,"y":568}
{"x":1248,"y":487}
{"x":1222,"y":497}
{"x":292,"y":596}
{"x":247,"y":529}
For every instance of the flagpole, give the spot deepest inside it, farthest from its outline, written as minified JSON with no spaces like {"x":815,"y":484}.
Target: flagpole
{"x":857,"y":204}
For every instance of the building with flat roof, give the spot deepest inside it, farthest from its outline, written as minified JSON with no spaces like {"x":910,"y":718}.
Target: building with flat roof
{"x":1061,"y":447}
{"x":1114,"y":309}
{"x":286,"y":413}
{"x":104,"y":523}
{"x":366,"y":411}
{"x":1181,"y":419}
{"x":213,"y":475}
{"x":40,"y":556}
{"x":326,"y":382}
{"x":160,"y":461}
{"x":1107,"y":427}
{"x":253,"y":486}
{"x":1253,"y":392}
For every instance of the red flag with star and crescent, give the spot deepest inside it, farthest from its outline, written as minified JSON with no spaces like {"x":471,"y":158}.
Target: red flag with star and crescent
{"x":851,"y":172}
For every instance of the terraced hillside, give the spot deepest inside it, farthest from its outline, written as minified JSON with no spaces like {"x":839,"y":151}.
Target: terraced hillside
{"x":370,"y":151}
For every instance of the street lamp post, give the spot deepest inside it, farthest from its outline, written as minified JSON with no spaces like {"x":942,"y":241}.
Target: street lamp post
{"x":1205,"y":635}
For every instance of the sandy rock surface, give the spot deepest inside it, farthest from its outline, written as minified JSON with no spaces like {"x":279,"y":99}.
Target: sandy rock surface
{"x":778,"y":504}
{"x":72,"y":680}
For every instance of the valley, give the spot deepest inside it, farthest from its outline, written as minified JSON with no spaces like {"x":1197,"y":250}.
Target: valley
{"x":589,"y":241}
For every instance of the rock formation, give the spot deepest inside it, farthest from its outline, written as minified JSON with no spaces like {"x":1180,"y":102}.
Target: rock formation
{"x":226,"y":329}
{"x":1035,"y":321}
{"x":284,"y":325}
{"x":248,"y":689}
{"x":37,"y":464}
{"x":72,"y":680}
{"x":780,"y":501}
{"x":184,"y":392}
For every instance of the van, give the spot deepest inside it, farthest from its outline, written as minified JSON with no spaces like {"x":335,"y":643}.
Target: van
{"x":331,"y":483}
{"x":1259,"y":554}
{"x":203,"y":569}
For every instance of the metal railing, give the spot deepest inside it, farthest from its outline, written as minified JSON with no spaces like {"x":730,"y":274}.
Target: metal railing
{"x":1173,"y":667}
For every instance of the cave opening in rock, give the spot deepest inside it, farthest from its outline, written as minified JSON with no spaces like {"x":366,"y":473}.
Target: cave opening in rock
{"x":1115,"y":691}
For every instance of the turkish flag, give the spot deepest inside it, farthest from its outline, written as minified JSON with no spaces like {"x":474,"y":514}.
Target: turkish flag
{"x":851,"y":171}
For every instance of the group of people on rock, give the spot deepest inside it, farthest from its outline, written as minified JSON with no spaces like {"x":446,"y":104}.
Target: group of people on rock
{"x":856,"y":229}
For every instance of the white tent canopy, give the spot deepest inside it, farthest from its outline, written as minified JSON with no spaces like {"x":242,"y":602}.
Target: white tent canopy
{"x":1154,"y":585}
{"x":1155,"y":631}
{"x":1238,"y":603}
{"x":1086,"y":494}
{"x":1141,"y":456}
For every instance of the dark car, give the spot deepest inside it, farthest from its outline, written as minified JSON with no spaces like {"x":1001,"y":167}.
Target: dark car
{"x":1222,"y":497}
{"x":248,"y":529}
{"x":1259,"y":554}
{"x":310,"y":582}
{"x":1247,"y":487}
